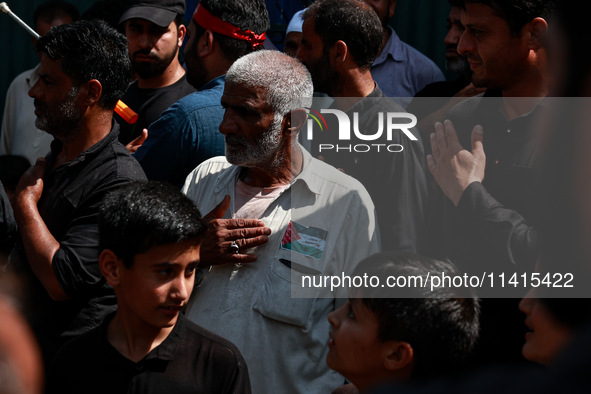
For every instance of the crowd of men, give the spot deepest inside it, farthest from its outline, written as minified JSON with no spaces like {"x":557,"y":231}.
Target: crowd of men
{"x":170,"y":254}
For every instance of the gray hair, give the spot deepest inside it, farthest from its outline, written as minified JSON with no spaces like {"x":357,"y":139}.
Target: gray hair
{"x":287,"y":81}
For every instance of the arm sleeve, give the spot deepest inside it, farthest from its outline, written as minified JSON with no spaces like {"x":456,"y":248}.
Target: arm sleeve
{"x":507,"y":233}
{"x":400,"y":195}
{"x":75,"y":264}
{"x":163,"y":154}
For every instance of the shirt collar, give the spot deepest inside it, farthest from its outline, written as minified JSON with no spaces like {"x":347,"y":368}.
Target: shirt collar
{"x":393,"y":48}
{"x":214,"y":82}
{"x":165,"y":351}
{"x":56,"y":147}
{"x":307,"y":176}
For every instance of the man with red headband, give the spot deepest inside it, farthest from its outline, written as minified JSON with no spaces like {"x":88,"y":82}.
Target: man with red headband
{"x":155,"y":33}
{"x":187,"y":133}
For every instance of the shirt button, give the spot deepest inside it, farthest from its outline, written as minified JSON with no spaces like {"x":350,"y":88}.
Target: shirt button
{"x":497,"y":161}
{"x":508,"y":131}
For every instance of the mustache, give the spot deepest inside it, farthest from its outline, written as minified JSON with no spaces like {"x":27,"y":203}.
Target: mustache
{"x":38,"y":104}
{"x":233,"y":139}
{"x":146,"y":52}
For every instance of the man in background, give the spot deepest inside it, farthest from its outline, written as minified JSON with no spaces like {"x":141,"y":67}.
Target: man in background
{"x":339,"y":43}
{"x":187,"y":133}
{"x":399,"y":69}
{"x":19,"y":136}
{"x":155,"y":33}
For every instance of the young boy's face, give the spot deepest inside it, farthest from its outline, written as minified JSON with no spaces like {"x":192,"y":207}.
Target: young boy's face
{"x":159,"y":283}
{"x":354,"y":349}
{"x":547,"y":336}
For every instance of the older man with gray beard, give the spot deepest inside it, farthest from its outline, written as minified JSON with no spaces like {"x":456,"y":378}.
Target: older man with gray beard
{"x":276,"y":216}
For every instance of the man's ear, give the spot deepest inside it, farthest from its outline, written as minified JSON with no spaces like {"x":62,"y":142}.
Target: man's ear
{"x":339,"y":52}
{"x":93,"y":89}
{"x":398,"y":355}
{"x":205,"y":44}
{"x":294,"y":121}
{"x":182,"y":33}
{"x":537,"y":30}
{"x":391,"y":8}
{"x":110,"y":266}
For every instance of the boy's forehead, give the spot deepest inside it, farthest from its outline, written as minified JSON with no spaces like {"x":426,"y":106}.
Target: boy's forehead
{"x":168,"y":255}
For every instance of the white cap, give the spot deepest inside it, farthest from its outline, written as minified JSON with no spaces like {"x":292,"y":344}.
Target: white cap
{"x":295,"y":24}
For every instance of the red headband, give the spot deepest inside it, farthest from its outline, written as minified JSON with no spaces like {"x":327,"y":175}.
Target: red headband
{"x":211,"y":22}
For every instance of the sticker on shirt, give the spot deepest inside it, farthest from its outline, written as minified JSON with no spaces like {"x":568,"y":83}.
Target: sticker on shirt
{"x":309,"y":241}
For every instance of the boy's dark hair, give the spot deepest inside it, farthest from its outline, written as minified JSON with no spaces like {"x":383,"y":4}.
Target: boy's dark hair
{"x":91,"y":50}
{"x":351,"y":21}
{"x":141,"y":215}
{"x":53,"y":9}
{"x":244,"y":14}
{"x":442,"y":325}
{"x":517,"y":13}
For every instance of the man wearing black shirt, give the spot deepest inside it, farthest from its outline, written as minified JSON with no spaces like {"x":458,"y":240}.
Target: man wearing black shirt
{"x":83,"y":72}
{"x":340,"y":40}
{"x":487,"y":220}
{"x":155,"y":33}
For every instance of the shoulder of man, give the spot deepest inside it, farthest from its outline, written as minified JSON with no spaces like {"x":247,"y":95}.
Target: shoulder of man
{"x":328,"y":176}
{"x":209,"y":168}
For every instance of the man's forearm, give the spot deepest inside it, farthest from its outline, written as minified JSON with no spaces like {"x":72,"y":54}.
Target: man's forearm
{"x":40,"y":246}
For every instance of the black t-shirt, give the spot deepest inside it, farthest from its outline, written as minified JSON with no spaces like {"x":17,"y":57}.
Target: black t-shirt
{"x":149,"y":105}
{"x":391,"y":168}
{"x":72,"y":195}
{"x":190,"y":360}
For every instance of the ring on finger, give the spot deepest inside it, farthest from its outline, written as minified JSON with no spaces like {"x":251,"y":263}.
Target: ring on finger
{"x":234,"y":248}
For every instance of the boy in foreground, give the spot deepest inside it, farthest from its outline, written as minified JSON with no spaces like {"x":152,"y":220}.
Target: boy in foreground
{"x":150,"y":236}
{"x":381,"y":335}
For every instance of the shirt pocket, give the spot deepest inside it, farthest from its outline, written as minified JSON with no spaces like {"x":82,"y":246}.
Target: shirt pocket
{"x":274,"y":299}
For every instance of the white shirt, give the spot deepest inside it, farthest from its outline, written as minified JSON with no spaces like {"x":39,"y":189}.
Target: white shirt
{"x":19,"y":136}
{"x":284,"y":339}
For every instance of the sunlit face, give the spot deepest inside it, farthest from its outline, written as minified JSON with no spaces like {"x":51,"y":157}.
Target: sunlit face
{"x":251,"y":132}
{"x":313,"y":55}
{"x":547,"y":336}
{"x":158,"y":285}
{"x":354,"y":349}
{"x":152,"y":48}
{"x":454,"y":61}
{"x":497,"y":59}
{"x":56,"y":101}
